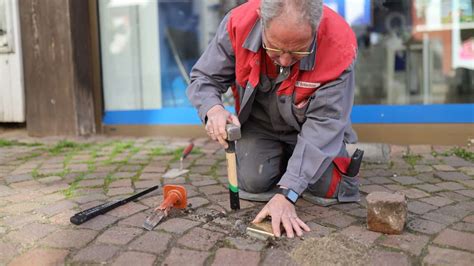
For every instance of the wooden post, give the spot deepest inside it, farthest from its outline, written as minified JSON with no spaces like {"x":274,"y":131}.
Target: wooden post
{"x":57,"y":59}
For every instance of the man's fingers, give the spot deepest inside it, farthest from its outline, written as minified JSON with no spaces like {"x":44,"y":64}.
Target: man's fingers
{"x":276,"y":220}
{"x":303,"y":225}
{"x":296,"y":226}
{"x":261,"y":215}
{"x":288,"y":226}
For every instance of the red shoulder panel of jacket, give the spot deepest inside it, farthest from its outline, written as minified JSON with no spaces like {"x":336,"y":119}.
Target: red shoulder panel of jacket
{"x":336,"y":47}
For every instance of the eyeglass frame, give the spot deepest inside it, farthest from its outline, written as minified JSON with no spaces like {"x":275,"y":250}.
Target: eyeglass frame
{"x":291,"y":53}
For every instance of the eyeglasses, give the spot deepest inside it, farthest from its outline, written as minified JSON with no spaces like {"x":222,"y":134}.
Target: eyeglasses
{"x":292,"y":53}
{"x":279,"y":52}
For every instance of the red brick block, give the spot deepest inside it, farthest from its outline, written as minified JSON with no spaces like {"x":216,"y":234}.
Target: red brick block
{"x":386,"y":212}
{"x":226,"y":256}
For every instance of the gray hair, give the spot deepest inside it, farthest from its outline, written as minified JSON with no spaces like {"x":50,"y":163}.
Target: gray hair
{"x":311,"y":10}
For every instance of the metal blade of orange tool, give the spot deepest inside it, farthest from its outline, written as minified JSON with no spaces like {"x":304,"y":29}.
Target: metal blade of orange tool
{"x":153,"y":220}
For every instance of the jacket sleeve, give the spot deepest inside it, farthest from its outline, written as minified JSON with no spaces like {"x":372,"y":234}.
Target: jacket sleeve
{"x":213,"y":73}
{"x":322,"y":134}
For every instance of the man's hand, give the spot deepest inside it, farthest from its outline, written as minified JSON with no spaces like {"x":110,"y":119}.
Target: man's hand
{"x":217,"y":118}
{"x":282,"y":212}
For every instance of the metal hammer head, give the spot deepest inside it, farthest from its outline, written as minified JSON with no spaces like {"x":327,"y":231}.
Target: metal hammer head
{"x":233,"y":132}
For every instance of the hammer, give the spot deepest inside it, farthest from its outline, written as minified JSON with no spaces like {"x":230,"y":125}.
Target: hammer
{"x":233,"y":134}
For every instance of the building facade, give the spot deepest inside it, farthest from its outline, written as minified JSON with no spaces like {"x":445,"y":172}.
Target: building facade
{"x":414,"y":75}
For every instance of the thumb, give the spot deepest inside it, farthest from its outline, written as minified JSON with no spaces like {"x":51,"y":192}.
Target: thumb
{"x":234,"y":120}
{"x":261,"y":215}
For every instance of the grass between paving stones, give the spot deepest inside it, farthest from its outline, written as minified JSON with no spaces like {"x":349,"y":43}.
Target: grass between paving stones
{"x":459,"y":152}
{"x":412,"y":159}
{"x":71,"y":190}
{"x":10,"y":143}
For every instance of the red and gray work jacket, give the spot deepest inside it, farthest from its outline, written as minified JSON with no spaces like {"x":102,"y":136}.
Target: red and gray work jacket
{"x":316,"y":98}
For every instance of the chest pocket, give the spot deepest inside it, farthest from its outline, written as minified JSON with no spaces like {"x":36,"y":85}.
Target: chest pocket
{"x":301,"y":100}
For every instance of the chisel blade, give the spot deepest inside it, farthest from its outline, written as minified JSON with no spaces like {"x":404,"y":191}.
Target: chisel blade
{"x":154,"y":219}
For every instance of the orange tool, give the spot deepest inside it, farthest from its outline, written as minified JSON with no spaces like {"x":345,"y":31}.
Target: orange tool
{"x":174,"y":196}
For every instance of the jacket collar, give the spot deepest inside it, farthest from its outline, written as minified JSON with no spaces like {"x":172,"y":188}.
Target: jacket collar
{"x":253,"y":42}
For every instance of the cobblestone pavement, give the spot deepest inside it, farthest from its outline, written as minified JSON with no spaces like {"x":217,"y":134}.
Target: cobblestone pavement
{"x":43,"y":182}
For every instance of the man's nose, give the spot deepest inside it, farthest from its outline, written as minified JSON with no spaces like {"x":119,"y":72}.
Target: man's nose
{"x":285,"y":59}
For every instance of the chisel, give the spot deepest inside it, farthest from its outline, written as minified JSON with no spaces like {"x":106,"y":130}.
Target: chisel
{"x":90,"y":213}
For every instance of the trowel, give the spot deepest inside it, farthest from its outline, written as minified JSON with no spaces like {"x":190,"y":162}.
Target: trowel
{"x":175,"y":172}
{"x":174,"y":196}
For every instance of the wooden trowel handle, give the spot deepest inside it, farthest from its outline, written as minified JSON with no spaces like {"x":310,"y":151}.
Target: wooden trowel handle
{"x":187,"y":150}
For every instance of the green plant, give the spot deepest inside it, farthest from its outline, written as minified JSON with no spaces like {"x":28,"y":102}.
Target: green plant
{"x":412,"y":159}
{"x":466,"y":155}
{"x":66,"y":145}
{"x":9,"y":143}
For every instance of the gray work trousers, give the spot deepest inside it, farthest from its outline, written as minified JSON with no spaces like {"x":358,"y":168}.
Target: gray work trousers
{"x":262,"y":157}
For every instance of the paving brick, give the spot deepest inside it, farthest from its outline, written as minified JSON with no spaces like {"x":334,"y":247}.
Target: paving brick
{"x":223,"y":201}
{"x":467,"y":227}
{"x":41,"y":256}
{"x":395,"y":187}
{"x":410,"y":243}
{"x":437,"y":201}
{"x":20,"y":208}
{"x":179,"y":256}
{"x":100,"y":222}
{"x":340,"y":220}
{"x":457,"y":210}
{"x":429,"y":188}
{"x":120,"y":175}
{"x":441,"y":256}
{"x":119,"y":235}
{"x":97,"y":175}
{"x":134,"y":258}
{"x":89,"y":198}
{"x":200,"y":239}
{"x":197,"y":202}
{"x":49,"y":179}
{"x":127,"y":210}
{"x":466,"y":192}
{"x":414,"y":193}
{"x":8,"y":251}
{"x":177,"y":225}
{"x":453,"y":196}
{"x":122,"y":183}
{"x":152,"y":242}
{"x":130,"y":168}
{"x":440,"y":218}
{"x":389,"y":258}
{"x":119,"y":191}
{"x":134,"y":220}
{"x":205,"y":182}
{"x":380,"y":180}
{"x":245,"y":243}
{"x":425,"y":226}
{"x":444,"y":168}
{"x":18,"y":178}
{"x":407,"y":180}
{"x":450,"y":186}
{"x":57,"y":207}
{"x":31,"y":233}
{"x":69,"y":238}
{"x":214,"y":189}
{"x":469,"y":219}
{"x":456,"y":162}
{"x":226,"y":256}
{"x":427,"y":178}
{"x":361,"y":234}
{"x":420,"y":207}
{"x":277,"y":257}
{"x":146,"y":184}
{"x":91,"y":183}
{"x":460,"y":240}
{"x":451,"y":176}
{"x":467,"y":183}
{"x":98,"y":253}
{"x":373,"y":188}
{"x":423,"y":168}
